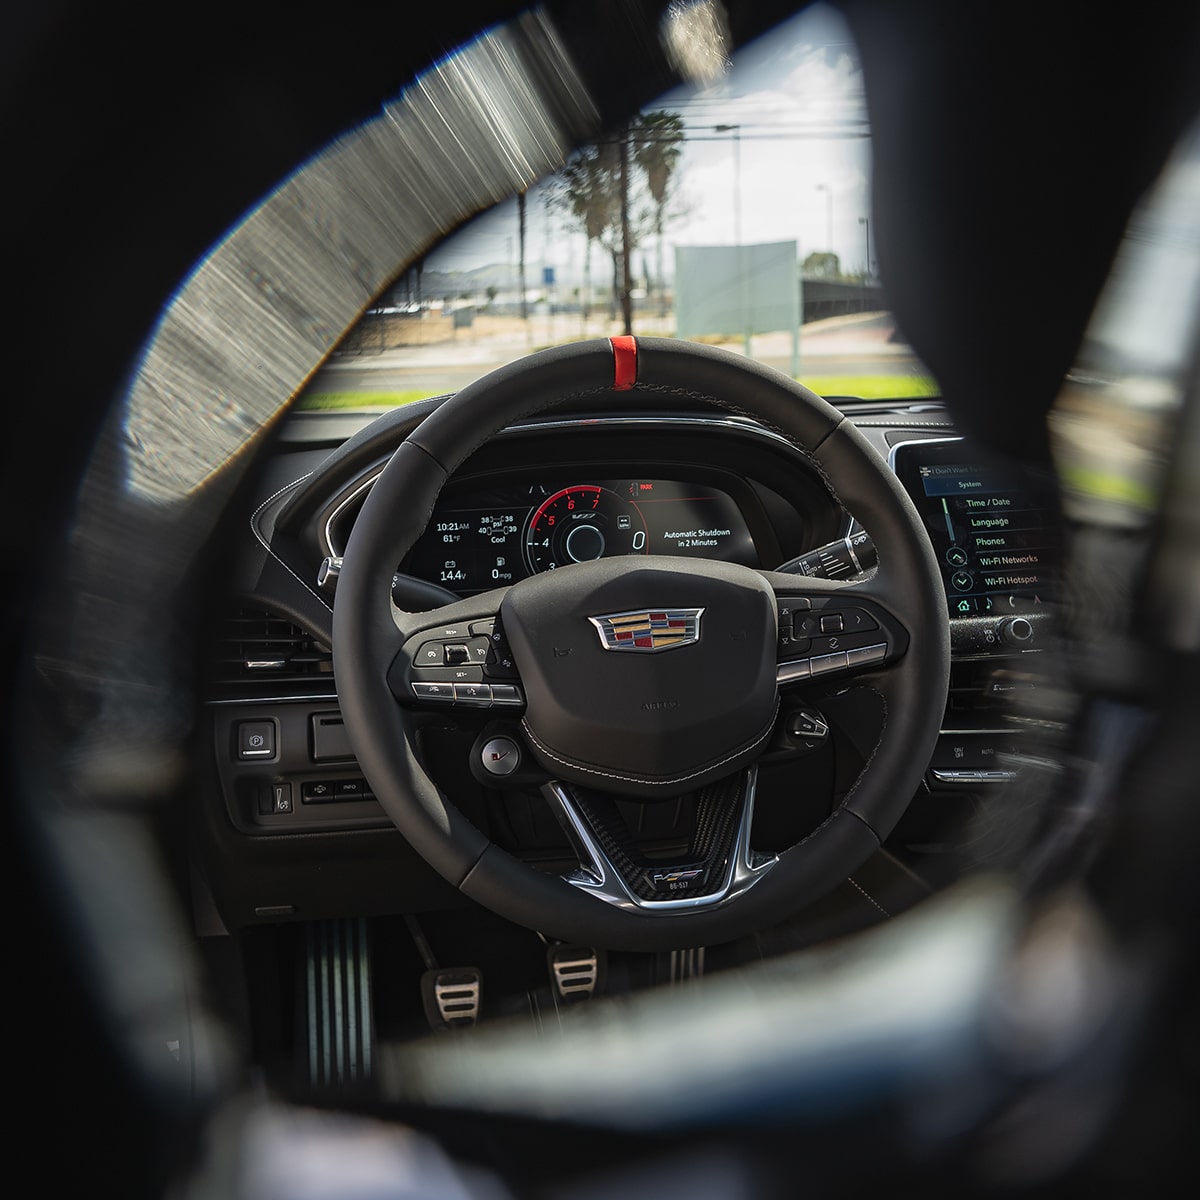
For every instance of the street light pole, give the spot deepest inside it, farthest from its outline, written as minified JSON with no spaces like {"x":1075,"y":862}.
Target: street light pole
{"x":865,"y":222}
{"x":743,"y":283}
{"x":736,"y":130}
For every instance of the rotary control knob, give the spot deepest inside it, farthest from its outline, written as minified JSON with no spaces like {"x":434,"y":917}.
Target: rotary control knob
{"x":1016,"y":631}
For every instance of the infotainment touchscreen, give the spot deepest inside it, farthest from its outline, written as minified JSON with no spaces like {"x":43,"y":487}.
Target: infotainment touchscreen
{"x":994,"y":534}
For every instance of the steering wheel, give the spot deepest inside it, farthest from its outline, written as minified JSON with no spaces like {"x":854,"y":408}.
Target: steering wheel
{"x":639,"y":678}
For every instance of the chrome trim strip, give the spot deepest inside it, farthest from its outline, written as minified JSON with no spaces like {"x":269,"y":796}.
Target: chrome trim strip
{"x":853,"y":557}
{"x":980,"y":776}
{"x":952,"y":731}
{"x":251,"y":700}
{"x":891,"y":461}
{"x":327,"y":532}
{"x":601,"y":879}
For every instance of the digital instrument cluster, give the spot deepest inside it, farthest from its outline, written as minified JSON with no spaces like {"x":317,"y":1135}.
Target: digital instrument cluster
{"x":490,"y":537}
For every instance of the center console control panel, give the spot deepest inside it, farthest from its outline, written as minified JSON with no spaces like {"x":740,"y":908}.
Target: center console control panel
{"x":288,"y":765}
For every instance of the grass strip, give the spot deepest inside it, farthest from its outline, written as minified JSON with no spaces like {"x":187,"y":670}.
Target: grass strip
{"x":866,"y":387}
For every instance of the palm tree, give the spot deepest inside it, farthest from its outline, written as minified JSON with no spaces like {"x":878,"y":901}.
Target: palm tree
{"x":657,"y":146}
{"x":598,"y":192}
{"x":589,"y":191}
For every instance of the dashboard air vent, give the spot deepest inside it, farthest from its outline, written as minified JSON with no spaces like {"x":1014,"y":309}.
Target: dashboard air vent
{"x":260,"y":655}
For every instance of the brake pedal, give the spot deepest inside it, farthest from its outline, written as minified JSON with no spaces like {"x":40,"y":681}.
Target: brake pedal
{"x":453,"y":996}
{"x":575,"y":972}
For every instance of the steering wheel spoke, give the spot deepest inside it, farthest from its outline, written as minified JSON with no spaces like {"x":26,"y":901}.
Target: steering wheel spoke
{"x":717,"y":865}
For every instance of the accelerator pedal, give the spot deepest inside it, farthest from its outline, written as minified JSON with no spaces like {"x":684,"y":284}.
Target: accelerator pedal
{"x":576,"y":972}
{"x":453,"y":997}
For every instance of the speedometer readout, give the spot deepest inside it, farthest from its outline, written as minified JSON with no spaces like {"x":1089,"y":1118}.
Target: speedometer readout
{"x":581,"y":523}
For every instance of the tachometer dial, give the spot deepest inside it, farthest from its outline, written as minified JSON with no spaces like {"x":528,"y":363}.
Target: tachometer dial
{"x":580,"y":523}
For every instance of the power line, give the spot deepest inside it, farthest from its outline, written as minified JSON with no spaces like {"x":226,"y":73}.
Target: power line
{"x":850,"y":133}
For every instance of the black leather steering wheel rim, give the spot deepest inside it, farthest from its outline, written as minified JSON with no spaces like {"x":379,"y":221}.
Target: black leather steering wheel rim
{"x":368,"y":631}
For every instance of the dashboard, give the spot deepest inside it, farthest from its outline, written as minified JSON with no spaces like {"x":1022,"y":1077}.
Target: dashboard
{"x":506,"y":515}
{"x":537,"y":498}
{"x":550,"y":494}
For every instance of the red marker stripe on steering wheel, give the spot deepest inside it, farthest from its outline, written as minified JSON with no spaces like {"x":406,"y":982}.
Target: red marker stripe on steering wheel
{"x":624,"y":362}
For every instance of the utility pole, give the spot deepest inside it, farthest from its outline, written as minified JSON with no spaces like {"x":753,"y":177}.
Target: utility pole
{"x":521,"y":236}
{"x":865,"y":222}
{"x":743,"y":282}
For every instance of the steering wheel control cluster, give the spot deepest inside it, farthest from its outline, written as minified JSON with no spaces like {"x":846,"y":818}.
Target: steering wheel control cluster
{"x":820,"y":637}
{"x":470,"y":664}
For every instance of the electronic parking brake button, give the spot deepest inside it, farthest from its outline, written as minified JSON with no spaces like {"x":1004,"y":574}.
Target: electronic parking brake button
{"x":256,"y":739}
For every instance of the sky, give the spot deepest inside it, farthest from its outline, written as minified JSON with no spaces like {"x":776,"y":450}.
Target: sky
{"x":796,"y":165}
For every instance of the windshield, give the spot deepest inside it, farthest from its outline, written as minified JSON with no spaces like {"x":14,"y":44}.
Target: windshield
{"x":735,"y":212}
